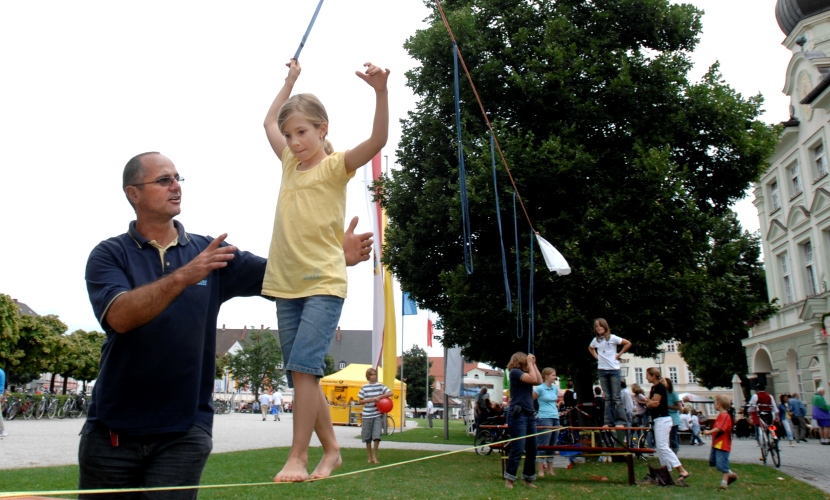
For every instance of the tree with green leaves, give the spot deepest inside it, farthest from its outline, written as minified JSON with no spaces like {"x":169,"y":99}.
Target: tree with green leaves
{"x":415,"y":371}
{"x":258,"y":363}
{"x":329,"y":369}
{"x":86,"y":354}
{"x":42,"y":342}
{"x":622,"y":163}
{"x":9,"y":332}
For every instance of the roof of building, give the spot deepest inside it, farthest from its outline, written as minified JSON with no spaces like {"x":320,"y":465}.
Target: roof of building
{"x":789,"y":13}
{"x":24,"y":309}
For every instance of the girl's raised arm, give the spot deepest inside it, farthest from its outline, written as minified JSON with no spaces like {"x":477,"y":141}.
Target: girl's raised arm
{"x":272,"y":128}
{"x":366,"y":150}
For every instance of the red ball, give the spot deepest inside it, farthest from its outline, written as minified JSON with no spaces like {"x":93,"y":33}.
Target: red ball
{"x":384,"y":405}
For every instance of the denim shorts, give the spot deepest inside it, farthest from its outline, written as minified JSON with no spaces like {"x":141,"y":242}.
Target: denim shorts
{"x":720,"y":460}
{"x":306,"y":327}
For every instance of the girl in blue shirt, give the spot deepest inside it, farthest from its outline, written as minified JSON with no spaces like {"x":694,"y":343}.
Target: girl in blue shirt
{"x":547,"y":395}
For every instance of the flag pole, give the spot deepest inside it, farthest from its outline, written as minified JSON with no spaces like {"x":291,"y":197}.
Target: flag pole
{"x":403,"y":403}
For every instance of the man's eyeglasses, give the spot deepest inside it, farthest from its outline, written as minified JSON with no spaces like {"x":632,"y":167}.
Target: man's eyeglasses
{"x":165,"y":181}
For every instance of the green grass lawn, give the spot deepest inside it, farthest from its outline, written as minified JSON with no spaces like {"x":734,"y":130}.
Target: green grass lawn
{"x":405,"y":474}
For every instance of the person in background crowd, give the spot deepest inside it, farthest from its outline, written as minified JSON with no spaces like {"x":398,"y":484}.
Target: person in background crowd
{"x":276,"y":401}
{"x":569,"y":398}
{"x":640,"y":410}
{"x":368,"y":396}
{"x":694,"y":424}
{"x":264,"y":403}
{"x":783,"y":417}
{"x":3,"y":431}
{"x":482,"y":407}
{"x":547,"y":395}
{"x":599,"y":407}
{"x":798,"y":415}
{"x":821,"y":412}
{"x":674,"y":413}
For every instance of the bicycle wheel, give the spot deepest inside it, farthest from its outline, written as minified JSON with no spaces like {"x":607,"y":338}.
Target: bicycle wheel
{"x":775,"y":453}
{"x":74,"y":410}
{"x":41,"y":408}
{"x":14,"y":409}
{"x":63,"y":411}
{"x":764,"y":445}
{"x":29,"y":410}
{"x":53,"y":408}
{"x":390,"y":425}
{"x":482,"y":442}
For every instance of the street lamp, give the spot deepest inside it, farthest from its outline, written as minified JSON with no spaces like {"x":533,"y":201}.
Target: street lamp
{"x":660,"y":358}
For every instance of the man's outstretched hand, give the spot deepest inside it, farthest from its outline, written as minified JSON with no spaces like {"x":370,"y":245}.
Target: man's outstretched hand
{"x":356,"y":247}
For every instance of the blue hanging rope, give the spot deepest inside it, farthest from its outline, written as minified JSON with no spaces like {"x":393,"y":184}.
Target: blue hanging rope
{"x":501,"y":236}
{"x":520,"y":329}
{"x":531,"y":328}
{"x":308,"y":30}
{"x":462,"y":176}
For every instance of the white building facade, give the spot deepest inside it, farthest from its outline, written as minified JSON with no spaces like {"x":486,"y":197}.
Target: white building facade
{"x":789,"y":352}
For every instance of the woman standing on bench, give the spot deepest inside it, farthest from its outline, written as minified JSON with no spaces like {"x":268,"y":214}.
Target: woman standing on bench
{"x":659,"y":409}
{"x":521,"y":418}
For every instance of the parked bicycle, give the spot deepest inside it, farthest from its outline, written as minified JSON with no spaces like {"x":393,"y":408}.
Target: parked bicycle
{"x":28,"y":408}
{"x":74,"y":406}
{"x":13,"y":406}
{"x":486,"y":437}
{"x":48,"y":405}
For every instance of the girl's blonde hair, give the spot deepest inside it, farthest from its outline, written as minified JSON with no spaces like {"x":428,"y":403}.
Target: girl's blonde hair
{"x":518,"y":360}
{"x":636,"y":389}
{"x":601,"y":322}
{"x":547,"y":371}
{"x":311,"y":109}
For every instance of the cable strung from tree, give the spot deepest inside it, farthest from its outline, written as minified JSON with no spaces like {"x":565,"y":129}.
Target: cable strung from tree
{"x":462,"y":175}
{"x":498,"y":218}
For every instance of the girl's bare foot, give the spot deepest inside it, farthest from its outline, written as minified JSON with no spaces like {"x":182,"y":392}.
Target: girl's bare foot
{"x":294,"y":471}
{"x":376,"y":461}
{"x":509,"y":484}
{"x":328,"y":464}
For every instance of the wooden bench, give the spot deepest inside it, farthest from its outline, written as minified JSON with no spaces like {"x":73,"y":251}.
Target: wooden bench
{"x":586,"y":451}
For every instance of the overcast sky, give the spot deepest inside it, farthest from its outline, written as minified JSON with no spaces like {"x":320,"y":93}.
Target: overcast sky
{"x":87,"y":85}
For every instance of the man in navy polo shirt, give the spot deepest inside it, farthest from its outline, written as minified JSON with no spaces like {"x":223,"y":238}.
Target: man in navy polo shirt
{"x":156,"y":291}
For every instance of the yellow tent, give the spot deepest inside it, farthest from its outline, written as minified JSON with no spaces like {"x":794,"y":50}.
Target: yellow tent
{"x":342,"y":388}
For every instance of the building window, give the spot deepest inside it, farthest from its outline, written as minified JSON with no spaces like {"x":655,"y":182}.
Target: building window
{"x":692,"y":378}
{"x":774,"y":196}
{"x":799,"y":380}
{"x":810,"y":279}
{"x":638,"y":376}
{"x":820,"y":161}
{"x":673,"y":375}
{"x":671,"y":346}
{"x":786,"y":279}
{"x":341,"y":365}
{"x":795,"y":180}
{"x":476,"y":376}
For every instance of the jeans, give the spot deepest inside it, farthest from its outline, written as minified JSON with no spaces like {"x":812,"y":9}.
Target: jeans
{"x":695,"y":437}
{"x":609,"y":381}
{"x":549,"y":439}
{"x":173,"y":459}
{"x":306,"y":327}
{"x":674,"y":439}
{"x":521,"y":425}
{"x":788,"y":429}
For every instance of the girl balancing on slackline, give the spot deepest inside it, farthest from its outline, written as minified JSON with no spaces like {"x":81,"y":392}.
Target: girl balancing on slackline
{"x":306,"y":271}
